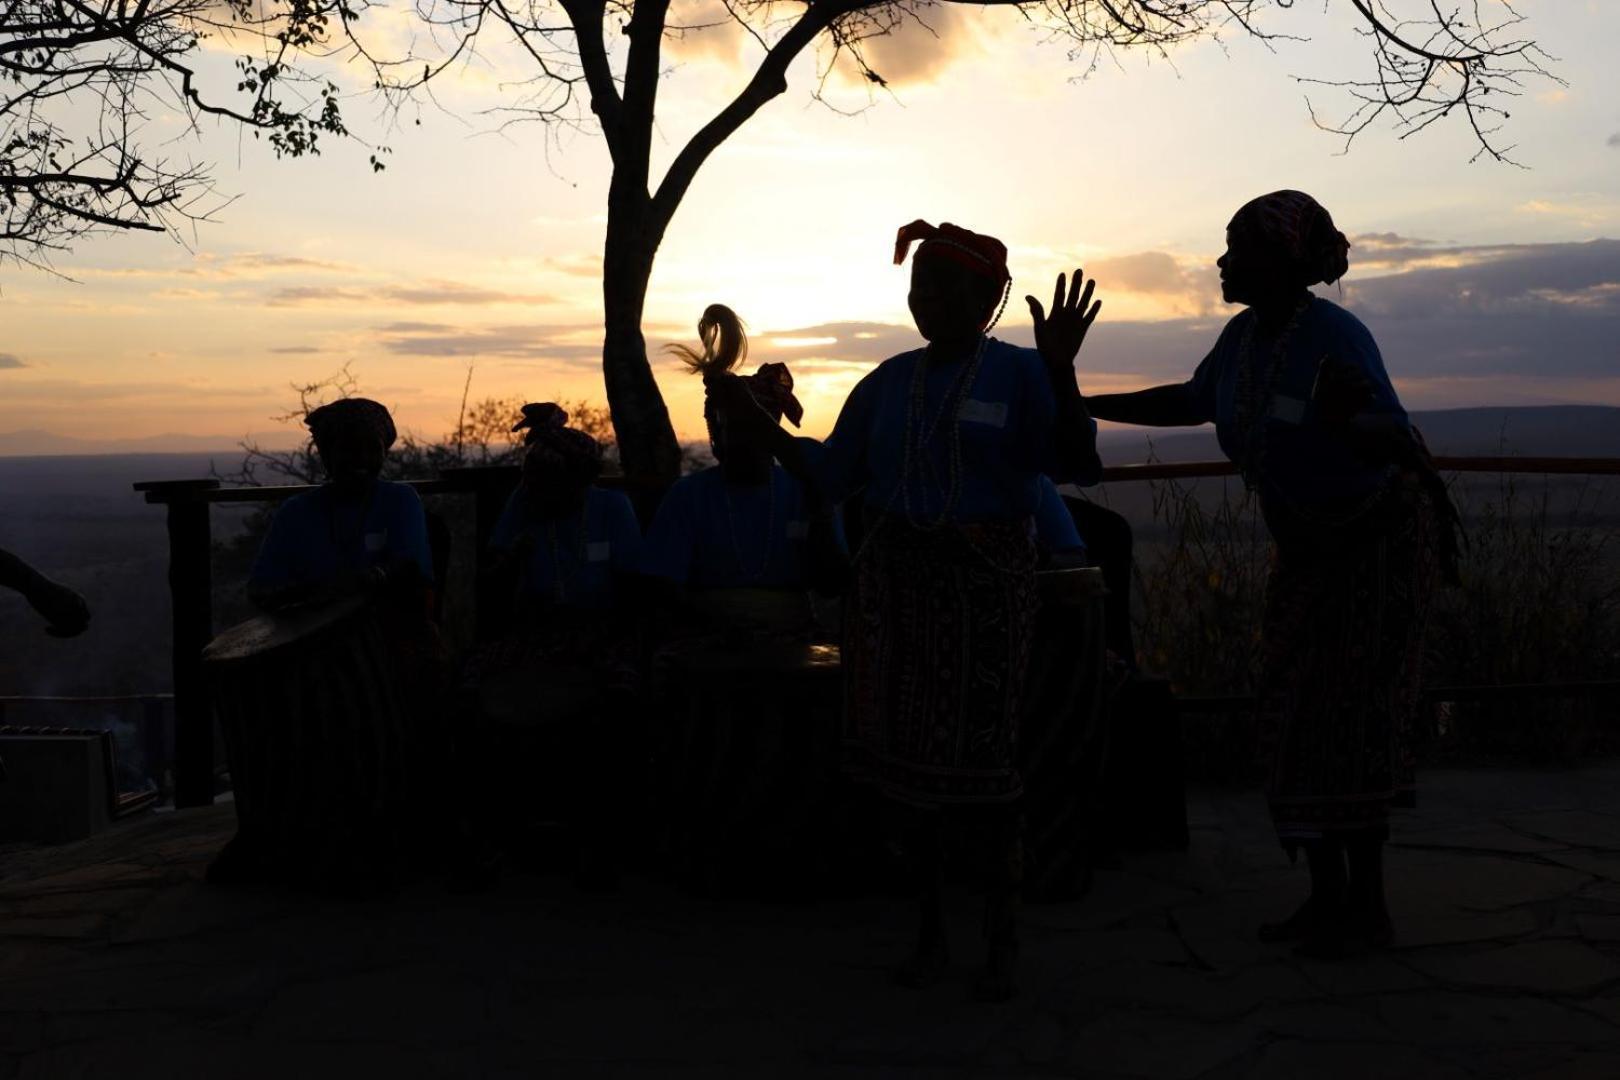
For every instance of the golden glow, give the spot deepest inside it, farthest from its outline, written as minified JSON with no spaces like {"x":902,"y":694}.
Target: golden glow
{"x":801,"y":342}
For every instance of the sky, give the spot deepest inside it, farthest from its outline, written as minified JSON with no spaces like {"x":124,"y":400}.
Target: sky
{"x":480,"y":245}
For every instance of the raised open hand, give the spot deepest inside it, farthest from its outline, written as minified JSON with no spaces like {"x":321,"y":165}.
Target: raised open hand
{"x":1059,"y":335}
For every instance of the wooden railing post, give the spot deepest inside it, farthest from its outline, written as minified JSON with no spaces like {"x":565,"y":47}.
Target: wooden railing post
{"x":490,"y":486}
{"x":190,"y":591}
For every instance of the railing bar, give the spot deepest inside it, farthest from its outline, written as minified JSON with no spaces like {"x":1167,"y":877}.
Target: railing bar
{"x":1194,"y":470}
{"x":165,"y":492}
{"x":89,"y":699}
{"x":1433,"y":694}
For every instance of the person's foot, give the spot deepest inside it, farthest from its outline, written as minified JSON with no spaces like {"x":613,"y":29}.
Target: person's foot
{"x":597,"y":876}
{"x":1371,"y":931}
{"x":1348,"y":935}
{"x":1306,"y":921}
{"x":928,"y":963}
{"x":475,"y":869}
{"x":998,"y":981}
{"x":239,"y":862}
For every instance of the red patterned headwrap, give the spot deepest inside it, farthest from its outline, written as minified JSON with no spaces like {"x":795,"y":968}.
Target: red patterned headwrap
{"x":982,"y":254}
{"x":348,"y":414}
{"x":772,"y":387}
{"x":1297,"y":230}
{"x":551,"y":440}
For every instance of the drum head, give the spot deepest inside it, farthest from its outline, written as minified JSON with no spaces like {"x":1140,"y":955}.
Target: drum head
{"x":1074,"y":586}
{"x":535,"y":694}
{"x":262,"y":635}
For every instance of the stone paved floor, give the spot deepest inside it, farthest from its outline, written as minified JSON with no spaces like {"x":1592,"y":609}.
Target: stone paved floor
{"x":115,"y":960}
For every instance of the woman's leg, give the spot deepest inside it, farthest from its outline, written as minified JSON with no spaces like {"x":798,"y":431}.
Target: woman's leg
{"x":1322,"y":913}
{"x":1368,"y":909}
{"x":999,"y":981}
{"x":925,"y":850}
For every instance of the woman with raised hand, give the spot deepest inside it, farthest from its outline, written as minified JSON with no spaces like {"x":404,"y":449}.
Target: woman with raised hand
{"x":947,"y":445}
{"x":1362,"y":526}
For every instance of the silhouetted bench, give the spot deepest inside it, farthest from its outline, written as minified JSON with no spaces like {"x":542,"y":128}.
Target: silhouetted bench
{"x":61,"y":784}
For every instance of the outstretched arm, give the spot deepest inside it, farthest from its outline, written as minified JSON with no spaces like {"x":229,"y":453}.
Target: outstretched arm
{"x":1158,"y":406}
{"x":65,"y":611}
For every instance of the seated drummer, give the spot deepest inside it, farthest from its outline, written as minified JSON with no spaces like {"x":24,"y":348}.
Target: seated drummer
{"x":744,"y":523}
{"x":356,"y":533}
{"x":567,"y":542}
{"x":565,"y":678}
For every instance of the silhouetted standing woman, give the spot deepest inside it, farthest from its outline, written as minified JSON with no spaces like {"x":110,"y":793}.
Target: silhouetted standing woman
{"x":1362,"y":526}
{"x":945,"y":448}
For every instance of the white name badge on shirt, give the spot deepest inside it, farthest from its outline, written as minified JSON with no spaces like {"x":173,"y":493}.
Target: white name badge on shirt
{"x":992,"y":413}
{"x":798,"y":530}
{"x":1289,"y":410}
{"x":376,"y":541}
{"x":598,"y":551}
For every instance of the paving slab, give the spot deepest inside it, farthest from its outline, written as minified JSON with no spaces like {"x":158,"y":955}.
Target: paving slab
{"x":116,"y":959}
{"x":1532,"y":967}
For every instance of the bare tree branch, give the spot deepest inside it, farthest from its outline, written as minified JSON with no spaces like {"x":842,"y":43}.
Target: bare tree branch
{"x":78,"y":80}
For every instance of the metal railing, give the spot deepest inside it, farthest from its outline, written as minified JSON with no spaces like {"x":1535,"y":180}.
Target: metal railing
{"x":190,"y":576}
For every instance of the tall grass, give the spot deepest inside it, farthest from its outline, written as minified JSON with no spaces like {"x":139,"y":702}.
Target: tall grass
{"x":1539,"y":602}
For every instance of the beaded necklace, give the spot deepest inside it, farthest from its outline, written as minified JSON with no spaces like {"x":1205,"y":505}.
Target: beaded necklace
{"x":915,"y":441}
{"x":919,"y":436}
{"x":770,"y":529}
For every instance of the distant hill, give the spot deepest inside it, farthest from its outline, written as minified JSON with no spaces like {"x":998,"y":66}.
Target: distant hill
{"x":1519,"y":431}
{"x":38,"y":443}
{"x":1534,"y":430}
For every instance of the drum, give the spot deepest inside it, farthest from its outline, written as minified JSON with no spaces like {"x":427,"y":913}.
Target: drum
{"x":746,"y":789}
{"x":1063,"y":739}
{"x":318,"y":737}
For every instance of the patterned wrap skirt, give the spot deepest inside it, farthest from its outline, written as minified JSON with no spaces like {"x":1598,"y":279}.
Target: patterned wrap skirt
{"x":1343,"y":650}
{"x":936,"y":647}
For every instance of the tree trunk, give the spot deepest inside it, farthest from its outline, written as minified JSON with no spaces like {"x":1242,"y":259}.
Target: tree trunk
{"x":647,"y":447}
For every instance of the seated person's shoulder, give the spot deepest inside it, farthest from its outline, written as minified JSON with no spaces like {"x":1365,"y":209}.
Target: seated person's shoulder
{"x":299,"y":505}
{"x":612,"y":502}
{"x":694,"y":483}
{"x":397,"y":493}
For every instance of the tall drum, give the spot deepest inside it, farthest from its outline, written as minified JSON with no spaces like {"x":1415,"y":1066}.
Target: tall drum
{"x":1063,"y":739}
{"x":747,"y":759}
{"x":317,"y":736}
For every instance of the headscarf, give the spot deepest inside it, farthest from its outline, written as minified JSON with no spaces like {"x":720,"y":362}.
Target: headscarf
{"x":725,"y":345}
{"x":984,"y":255}
{"x":351,"y":414}
{"x":1297,"y":230}
{"x":772,"y":387}
{"x":551,"y":441}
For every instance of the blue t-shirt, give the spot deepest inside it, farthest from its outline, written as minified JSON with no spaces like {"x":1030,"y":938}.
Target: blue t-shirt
{"x":314,"y":538}
{"x":1054,"y":525}
{"x":1298,"y":460}
{"x":1007,"y":438}
{"x":574,"y":558}
{"x":709,"y":534}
